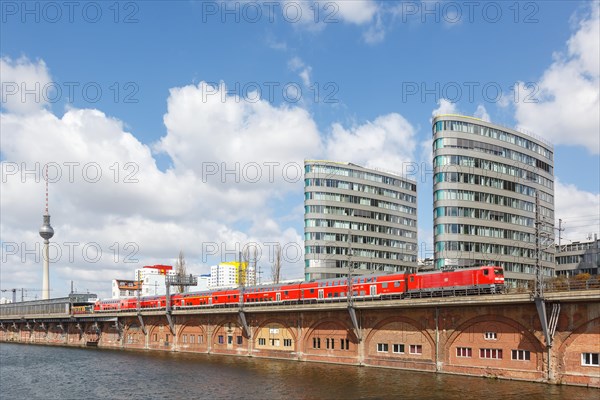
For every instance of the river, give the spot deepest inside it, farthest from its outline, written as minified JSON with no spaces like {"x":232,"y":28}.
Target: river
{"x":49,"y":372}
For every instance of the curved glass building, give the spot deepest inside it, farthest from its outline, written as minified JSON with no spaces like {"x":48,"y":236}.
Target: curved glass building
{"x":358,"y":214}
{"x":487,"y":180}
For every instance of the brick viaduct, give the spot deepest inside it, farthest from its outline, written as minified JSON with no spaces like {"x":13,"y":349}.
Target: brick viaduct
{"x":494,"y":336}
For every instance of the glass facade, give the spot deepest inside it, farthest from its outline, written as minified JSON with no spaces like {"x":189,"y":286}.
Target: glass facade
{"x":358,"y":215}
{"x":487,"y":181}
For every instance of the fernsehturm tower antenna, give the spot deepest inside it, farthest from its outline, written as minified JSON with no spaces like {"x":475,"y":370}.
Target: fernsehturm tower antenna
{"x":46,"y":232}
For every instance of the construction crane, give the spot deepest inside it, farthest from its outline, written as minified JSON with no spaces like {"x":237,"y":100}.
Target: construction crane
{"x":23,"y":292}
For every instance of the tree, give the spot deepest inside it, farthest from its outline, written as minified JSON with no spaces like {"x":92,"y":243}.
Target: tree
{"x":180,"y":270}
{"x":276,"y":268}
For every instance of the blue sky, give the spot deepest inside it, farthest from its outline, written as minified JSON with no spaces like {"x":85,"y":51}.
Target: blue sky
{"x":359,"y":74}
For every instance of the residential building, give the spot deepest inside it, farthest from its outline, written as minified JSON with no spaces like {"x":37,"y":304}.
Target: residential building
{"x":578,"y":257}
{"x":228,"y":274}
{"x":152,"y":278}
{"x":493,"y":188}
{"x":122,"y":288}
{"x":357,"y":214}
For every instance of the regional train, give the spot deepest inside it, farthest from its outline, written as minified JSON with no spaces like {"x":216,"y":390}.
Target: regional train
{"x":467,"y":281}
{"x":459,"y":282}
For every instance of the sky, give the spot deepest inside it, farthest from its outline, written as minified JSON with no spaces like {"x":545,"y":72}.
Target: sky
{"x":183,"y":125}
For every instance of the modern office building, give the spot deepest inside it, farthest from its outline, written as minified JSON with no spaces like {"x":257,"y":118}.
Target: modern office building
{"x":357,"y":214}
{"x":487,"y":180}
{"x":578,"y":258}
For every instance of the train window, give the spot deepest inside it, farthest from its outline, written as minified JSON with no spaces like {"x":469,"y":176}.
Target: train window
{"x":486,"y":272}
{"x":285,"y":292}
{"x":499,"y":272}
{"x":312,"y":290}
{"x":412,"y":278}
{"x":384,"y":285}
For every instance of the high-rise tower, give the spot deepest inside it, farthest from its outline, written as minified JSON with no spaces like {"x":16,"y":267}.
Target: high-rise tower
{"x":46,"y":232}
{"x":359,"y":214}
{"x":493,"y":198}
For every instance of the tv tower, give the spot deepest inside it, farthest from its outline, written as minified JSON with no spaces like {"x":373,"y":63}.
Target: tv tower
{"x":46,"y":232}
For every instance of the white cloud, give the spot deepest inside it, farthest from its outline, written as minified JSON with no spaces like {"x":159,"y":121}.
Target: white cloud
{"x":217,"y":144}
{"x":297,"y":65}
{"x":482,"y":113}
{"x":567,"y":110}
{"x":25,"y":85}
{"x":444,"y":107}
{"x":388,"y":142}
{"x":376,"y":32}
{"x":579,"y":210}
{"x":315,"y":16}
{"x":160,"y":212}
{"x":357,"y":12}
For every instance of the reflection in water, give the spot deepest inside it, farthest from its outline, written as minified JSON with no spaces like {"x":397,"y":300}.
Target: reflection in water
{"x":45,"y":372}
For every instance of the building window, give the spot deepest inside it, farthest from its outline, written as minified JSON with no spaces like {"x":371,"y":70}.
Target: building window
{"x":521,"y":355}
{"x":275,"y":342}
{"x":344,"y":344}
{"x":155,"y":338}
{"x":262,"y":341}
{"x":382,"y":347}
{"x":229,"y":339}
{"x":316,"y":343}
{"x":398,"y":348}
{"x":184,"y":338}
{"x":491,"y":336}
{"x":240,"y":340}
{"x":416,"y":349}
{"x":192,"y":339}
{"x":494,"y":354}
{"x":287,"y":342}
{"x":221,"y":339}
{"x":464,"y":352}
{"x":200,"y":339}
{"x":590,"y":359}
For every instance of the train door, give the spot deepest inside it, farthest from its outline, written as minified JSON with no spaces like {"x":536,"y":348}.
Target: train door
{"x":373,"y":290}
{"x":321,"y":295}
{"x":278,"y":296}
{"x":210,"y":300}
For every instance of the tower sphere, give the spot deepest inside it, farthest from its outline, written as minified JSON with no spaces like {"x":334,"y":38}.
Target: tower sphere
{"x":46,"y":231}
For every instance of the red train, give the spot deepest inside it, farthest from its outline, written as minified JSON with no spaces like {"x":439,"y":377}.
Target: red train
{"x":478,"y":280}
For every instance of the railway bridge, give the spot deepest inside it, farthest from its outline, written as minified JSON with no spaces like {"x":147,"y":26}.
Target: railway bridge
{"x":491,"y":335}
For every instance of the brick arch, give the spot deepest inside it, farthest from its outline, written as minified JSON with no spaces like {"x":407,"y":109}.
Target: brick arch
{"x":280,"y":322}
{"x":133,"y":336}
{"x":157,"y":335}
{"x":74,"y":334}
{"x":228,"y":327}
{"x":580,"y":340}
{"x":192,"y":336}
{"x":39,"y":334}
{"x":495,"y":319}
{"x":511,"y":335}
{"x":334,"y":321}
{"x":399,"y":336}
{"x":56,"y":334}
{"x":188,"y":324}
{"x":92,"y":333}
{"x":340,"y":324}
